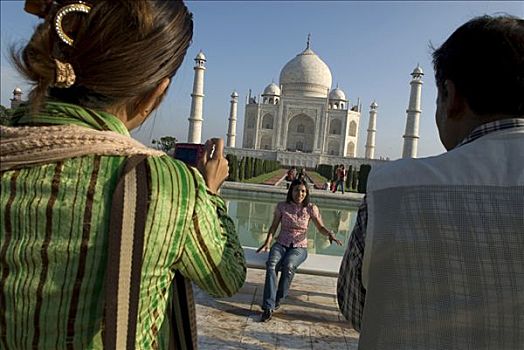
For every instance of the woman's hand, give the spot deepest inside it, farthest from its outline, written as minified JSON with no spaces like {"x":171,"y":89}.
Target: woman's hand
{"x":213,"y":166}
{"x":332,"y":239}
{"x":265,"y":247}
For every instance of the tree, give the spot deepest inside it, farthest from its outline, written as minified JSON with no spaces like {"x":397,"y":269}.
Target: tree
{"x":241,"y":169}
{"x":354,"y":180}
{"x":5,"y":115}
{"x":248,"y":169}
{"x":258,"y":168}
{"x":349,"y":174}
{"x":326,"y":170}
{"x":166,"y":144}
{"x":233,"y":167}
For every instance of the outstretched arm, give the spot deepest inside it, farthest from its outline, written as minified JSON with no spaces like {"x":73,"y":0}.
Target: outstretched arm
{"x":317,"y":219}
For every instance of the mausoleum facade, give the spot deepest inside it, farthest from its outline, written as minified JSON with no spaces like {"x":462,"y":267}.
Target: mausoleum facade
{"x":302,"y":113}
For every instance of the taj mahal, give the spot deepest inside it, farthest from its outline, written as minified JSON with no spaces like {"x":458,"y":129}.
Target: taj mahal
{"x":304,"y":121}
{"x":303,"y":114}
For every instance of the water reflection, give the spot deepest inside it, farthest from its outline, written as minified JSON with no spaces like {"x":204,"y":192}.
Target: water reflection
{"x":253,"y":218}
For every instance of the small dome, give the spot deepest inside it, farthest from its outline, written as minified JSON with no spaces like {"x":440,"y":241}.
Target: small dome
{"x":374,"y":105}
{"x":306,"y":75}
{"x":234,"y":94}
{"x":417,"y":71}
{"x":272,"y":89}
{"x":337,"y":94}
{"x":17,"y":91}
{"x":200,"y":56}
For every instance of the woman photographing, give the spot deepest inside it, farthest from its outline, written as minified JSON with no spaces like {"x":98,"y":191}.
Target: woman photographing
{"x":99,"y":69}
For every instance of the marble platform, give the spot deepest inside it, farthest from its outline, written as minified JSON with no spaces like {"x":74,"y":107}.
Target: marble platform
{"x":308,"y":319}
{"x":315,"y":264}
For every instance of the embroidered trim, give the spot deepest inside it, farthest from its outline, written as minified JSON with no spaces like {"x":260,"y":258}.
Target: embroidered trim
{"x":25,"y":146}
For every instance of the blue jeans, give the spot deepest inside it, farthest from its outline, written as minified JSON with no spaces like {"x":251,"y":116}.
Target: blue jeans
{"x":341,"y":183}
{"x":286,"y":260}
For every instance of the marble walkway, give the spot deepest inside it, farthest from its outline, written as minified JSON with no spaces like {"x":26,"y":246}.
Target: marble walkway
{"x":308,"y":319}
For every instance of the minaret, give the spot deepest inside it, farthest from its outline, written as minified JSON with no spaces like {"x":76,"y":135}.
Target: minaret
{"x":232,"y":129}
{"x":17,"y":98}
{"x":411,"y":134}
{"x":197,"y":98}
{"x":372,"y":129}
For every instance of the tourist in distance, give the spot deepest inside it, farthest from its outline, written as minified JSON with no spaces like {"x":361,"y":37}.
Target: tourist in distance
{"x":291,"y":175}
{"x":340,"y":175}
{"x":302,"y":174}
{"x":290,"y":249}
{"x":99,"y":69}
{"x":435,"y":259}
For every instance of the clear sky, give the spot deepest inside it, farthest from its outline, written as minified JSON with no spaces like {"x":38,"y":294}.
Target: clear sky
{"x":370,"y":47}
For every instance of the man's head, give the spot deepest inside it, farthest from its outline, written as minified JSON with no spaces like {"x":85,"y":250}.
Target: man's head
{"x":479,"y":72}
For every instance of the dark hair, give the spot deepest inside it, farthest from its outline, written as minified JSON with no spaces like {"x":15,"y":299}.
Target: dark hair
{"x":294,"y":184}
{"x":485,"y":60}
{"x":122,"y":50}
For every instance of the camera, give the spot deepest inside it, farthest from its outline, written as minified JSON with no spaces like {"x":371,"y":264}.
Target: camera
{"x":189,"y":153}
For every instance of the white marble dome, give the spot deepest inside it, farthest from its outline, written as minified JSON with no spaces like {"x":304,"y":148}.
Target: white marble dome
{"x":200,"y":56}
{"x":272,"y":89}
{"x":17,"y":91}
{"x":337,"y":94}
{"x":418,"y":70}
{"x":306,"y":75}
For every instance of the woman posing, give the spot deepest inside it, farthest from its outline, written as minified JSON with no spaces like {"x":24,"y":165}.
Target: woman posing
{"x":290,"y":248}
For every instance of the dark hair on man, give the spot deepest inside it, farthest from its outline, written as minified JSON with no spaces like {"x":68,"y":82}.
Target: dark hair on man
{"x":122,"y":50}
{"x":294,"y":184}
{"x":485,"y":60}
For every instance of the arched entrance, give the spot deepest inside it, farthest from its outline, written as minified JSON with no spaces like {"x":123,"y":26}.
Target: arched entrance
{"x":300,"y":133}
{"x":265,"y":142}
{"x":333,"y":148}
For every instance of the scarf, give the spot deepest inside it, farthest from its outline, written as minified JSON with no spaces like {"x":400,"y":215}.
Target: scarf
{"x":62,"y":131}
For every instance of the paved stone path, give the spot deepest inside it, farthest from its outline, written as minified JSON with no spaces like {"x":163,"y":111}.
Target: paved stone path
{"x":308,"y":319}
{"x":276,"y":178}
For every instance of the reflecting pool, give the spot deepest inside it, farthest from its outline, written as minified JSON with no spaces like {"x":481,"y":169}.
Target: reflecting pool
{"x":253,"y":219}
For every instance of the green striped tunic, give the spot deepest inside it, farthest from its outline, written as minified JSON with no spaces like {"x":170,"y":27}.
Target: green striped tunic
{"x":53,"y":244}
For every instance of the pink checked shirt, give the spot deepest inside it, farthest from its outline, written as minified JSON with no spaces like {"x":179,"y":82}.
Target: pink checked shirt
{"x":294,"y":222}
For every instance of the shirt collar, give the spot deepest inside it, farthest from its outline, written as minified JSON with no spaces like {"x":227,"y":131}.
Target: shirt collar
{"x":490,"y":127}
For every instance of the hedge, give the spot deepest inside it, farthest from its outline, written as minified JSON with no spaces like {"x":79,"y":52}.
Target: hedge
{"x":249,"y":167}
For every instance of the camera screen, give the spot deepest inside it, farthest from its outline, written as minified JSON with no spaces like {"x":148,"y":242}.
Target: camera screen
{"x":188,"y":153}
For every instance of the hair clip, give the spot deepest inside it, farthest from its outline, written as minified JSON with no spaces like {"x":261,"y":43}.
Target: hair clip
{"x":65,"y":75}
{"x":76,"y":7}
